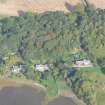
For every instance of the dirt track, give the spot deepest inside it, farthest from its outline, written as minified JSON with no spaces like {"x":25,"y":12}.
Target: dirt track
{"x":11,"y":7}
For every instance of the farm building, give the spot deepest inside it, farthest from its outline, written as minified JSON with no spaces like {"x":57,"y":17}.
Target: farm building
{"x":42,"y":67}
{"x":83,"y":63}
{"x":19,"y":68}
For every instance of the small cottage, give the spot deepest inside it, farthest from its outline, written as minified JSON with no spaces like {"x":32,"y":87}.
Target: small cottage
{"x":19,"y":68}
{"x":83,"y":63}
{"x":42,"y":67}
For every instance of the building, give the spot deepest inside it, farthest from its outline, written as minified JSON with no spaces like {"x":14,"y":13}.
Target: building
{"x":83,"y":63}
{"x":42,"y":67}
{"x":19,"y":68}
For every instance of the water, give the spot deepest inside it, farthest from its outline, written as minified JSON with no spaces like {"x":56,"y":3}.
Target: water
{"x":27,"y":95}
{"x":62,"y":101}
{"x":24,"y":95}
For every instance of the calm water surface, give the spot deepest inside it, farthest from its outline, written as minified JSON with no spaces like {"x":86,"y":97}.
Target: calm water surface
{"x":26,"y":95}
{"x":62,"y":101}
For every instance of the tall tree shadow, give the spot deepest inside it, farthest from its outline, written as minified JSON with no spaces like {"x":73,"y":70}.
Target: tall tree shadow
{"x":70,"y":7}
{"x":21,"y":13}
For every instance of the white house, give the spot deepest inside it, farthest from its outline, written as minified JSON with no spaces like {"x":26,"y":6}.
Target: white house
{"x":42,"y":67}
{"x":87,"y":62}
{"x":83,"y":63}
{"x":19,"y":68}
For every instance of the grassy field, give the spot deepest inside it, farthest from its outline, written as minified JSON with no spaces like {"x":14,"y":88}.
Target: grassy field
{"x":51,"y":87}
{"x":96,"y":69}
{"x":3,"y":16}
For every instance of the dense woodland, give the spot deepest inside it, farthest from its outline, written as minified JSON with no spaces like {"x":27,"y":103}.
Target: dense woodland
{"x":54,"y":38}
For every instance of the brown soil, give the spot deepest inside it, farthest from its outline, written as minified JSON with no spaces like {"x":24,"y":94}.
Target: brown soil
{"x":11,"y":7}
{"x":98,"y":3}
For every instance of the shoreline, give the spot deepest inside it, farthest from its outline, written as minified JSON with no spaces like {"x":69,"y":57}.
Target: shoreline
{"x":19,"y":83}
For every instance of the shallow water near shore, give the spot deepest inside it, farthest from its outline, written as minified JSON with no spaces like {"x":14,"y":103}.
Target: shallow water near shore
{"x":24,"y":95}
{"x":12,"y":93}
{"x":61,"y":100}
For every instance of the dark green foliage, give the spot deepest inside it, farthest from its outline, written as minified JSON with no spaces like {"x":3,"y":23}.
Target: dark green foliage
{"x":40,"y":37}
{"x":84,"y":88}
{"x":101,"y":63}
{"x":55,"y":38}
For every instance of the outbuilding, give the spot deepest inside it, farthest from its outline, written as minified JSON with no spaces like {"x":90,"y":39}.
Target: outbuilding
{"x":19,"y":68}
{"x":83,"y":63}
{"x":42,"y":67}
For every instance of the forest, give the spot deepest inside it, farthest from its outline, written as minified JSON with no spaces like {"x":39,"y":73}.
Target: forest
{"x":55,"y":38}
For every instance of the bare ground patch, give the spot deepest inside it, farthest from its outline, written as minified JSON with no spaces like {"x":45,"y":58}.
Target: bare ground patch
{"x":11,"y":7}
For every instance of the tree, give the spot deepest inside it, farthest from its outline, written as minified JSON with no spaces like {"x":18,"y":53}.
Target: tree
{"x":84,"y":88}
{"x":101,"y":63}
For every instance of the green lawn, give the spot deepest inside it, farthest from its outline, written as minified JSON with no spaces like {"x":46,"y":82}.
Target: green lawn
{"x":55,"y":88}
{"x":96,"y":69}
{"x":51,"y":86}
{"x":3,"y":16}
